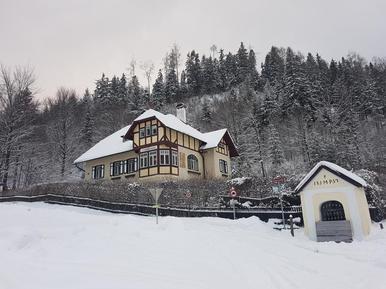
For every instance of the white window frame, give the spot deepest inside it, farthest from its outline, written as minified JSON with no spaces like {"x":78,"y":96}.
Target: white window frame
{"x":132,"y":165}
{"x":193,"y":163}
{"x":98,"y":172}
{"x":152,"y":158}
{"x":175,"y":158}
{"x":154,"y":129}
{"x":148,"y":130}
{"x":223,"y":164}
{"x":142,"y":132}
{"x":164,"y":155}
{"x":144,"y":160}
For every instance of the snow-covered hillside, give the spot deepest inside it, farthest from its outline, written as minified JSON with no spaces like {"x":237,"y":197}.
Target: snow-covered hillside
{"x":51,"y":246}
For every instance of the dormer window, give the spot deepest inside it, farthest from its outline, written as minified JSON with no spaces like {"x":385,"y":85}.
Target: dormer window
{"x":148,"y":130}
{"x":154,"y":129}
{"x":142,"y":132}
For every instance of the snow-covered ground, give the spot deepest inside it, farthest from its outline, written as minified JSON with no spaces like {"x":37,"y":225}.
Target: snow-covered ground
{"x":50,"y":246}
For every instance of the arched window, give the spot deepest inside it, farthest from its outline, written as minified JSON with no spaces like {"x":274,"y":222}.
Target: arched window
{"x":332,"y":211}
{"x":192,"y":163}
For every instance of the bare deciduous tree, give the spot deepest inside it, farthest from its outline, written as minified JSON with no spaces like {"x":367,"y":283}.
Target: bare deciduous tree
{"x":16,"y":111}
{"x":148,"y":69}
{"x":213,"y":49}
{"x":131,"y":68}
{"x":62,"y":130}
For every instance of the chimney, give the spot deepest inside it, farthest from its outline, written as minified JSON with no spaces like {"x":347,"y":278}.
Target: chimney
{"x":181,"y":112}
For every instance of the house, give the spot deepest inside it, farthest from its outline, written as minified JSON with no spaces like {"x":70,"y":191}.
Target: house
{"x":334,"y":204}
{"x":158,"y":147}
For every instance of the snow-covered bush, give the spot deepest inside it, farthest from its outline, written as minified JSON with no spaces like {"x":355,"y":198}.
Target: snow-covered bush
{"x":373,"y":193}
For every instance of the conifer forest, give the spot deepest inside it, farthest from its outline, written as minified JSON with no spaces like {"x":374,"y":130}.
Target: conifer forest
{"x":285,"y":114}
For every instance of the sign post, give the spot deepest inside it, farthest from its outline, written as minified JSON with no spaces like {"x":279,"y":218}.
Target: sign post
{"x":156,"y":194}
{"x":188,"y":196}
{"x":233,"y":201}
{"x":278,"y":188}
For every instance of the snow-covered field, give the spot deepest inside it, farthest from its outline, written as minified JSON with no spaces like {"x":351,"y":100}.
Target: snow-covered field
{"x":50,"y":246}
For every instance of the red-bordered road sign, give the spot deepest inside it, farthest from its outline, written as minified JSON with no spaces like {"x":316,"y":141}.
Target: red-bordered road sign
{"x":233,"y":192}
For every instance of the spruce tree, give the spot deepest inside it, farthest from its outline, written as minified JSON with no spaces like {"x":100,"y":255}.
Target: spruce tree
{"x":171,"y":86}
{"x":158,"y":94}
{"x":208,"y":75}
{"x":183,"y":86}
{"x":276,"y":154}
{"x":252,"y":71}
{"x":137,"y":102}
{"x":87,"y":131}
{"x":122,"y":90}
{"x":273,"y":67}
{"x":222,"y":72}
{"x":231,"y":70}
{"x":114,"y":91}
{"x":102,"y":90}
{"x":206,"y":113}
{"x":242,"y":61}
{"x":193,"y":73}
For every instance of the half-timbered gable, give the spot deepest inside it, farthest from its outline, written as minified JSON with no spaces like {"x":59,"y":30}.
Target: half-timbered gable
{"x":158,"y":146}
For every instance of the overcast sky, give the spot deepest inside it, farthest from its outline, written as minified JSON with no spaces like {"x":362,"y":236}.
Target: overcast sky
{"x":70,"y":43}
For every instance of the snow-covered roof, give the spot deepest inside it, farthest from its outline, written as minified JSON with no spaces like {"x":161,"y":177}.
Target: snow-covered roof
{"x":334,"y":168}
{"x":213,"y":138}
{"x":173,"y":122}
{"x":113,"y":144}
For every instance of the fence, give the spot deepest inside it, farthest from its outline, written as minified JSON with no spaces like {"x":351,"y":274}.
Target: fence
{"x":145,"y":209}
{"x":263,"y":213}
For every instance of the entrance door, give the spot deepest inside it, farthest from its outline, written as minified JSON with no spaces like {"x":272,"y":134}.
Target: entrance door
{"x":333,"y":225}
{"x":332,"y":211}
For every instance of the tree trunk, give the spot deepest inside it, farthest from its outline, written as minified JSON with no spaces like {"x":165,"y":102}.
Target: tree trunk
{"x":303,"y":140}
{"x":15,"y":172}
{"x":259,"y":145}
{"x":7,"y":158}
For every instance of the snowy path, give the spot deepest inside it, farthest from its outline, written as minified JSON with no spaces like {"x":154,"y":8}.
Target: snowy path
{"x":53,"y":247}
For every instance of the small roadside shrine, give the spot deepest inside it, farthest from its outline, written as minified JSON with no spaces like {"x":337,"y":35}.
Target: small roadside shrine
{"x":334,"y":204}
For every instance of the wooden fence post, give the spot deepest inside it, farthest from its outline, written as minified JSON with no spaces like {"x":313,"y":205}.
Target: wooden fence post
{"x":292,"y":225}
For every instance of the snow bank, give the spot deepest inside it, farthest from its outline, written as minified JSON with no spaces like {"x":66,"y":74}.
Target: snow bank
{"x":51,"y":246}
{"x":238,"y":181}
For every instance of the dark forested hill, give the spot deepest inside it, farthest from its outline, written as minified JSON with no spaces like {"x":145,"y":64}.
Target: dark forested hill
{"x":285,"y":116}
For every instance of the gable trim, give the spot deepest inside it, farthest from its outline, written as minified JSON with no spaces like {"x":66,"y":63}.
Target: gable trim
{"x":342,"y":176}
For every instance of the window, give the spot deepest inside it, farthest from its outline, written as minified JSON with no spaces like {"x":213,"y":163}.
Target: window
{"x":115,"y":168}
{"x":121,"y":167}
{"x":148,"y":130}
{"x":154,"y":129}
{"x":174,"y":158}
{"x":152,"y":158}
{"x":142,"y":132}
{"x":98,"y":172}
{"x":192,"y":163}
{"x":125,"y":166}
{"x":131,"y":165}
{"x":164,"y":157}
{"x":223,"y":166}
{"x":143,"y":160}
